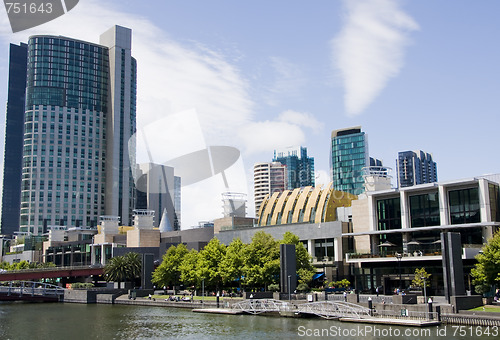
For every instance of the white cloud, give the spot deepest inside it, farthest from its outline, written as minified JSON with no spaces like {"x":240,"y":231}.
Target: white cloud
{"x":172,"y":77}
{"x":269,"y":135}
{"x":369,"y":50}
{"x":304,"y":119}
{"x":322,"y":178}
{"x":289,"y":79}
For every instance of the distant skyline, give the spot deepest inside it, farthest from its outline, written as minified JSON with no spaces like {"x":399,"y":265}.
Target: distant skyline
{"x":259,"y":76}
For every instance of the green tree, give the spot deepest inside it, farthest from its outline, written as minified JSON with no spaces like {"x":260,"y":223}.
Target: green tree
{"x":418,"y":281}
{"x":208,"y":263}
{"x":168,"y":272}
{"x":305,"y":269}
{"x":123,"y":268}
{"x":231,"y":266}
{"x":188,"y":269}
{"x":261,"y":260}
{"x":487,"y":269}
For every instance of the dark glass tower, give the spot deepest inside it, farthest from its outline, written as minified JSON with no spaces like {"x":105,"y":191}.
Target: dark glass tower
{"x":415,"y":167}
{"x":13,"y":152}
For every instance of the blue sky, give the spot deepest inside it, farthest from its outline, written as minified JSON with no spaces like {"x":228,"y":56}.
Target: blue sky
{"x":259,"y":75}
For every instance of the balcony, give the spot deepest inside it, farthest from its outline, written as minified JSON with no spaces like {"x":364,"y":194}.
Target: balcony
{"x":469,"y":251}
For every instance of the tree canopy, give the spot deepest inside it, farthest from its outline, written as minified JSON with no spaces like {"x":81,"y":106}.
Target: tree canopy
{"x":262,"y":261}
{"x":487,"y":270}
{"x":256,"y":264}
{"x":123,"y":268}
{"x":168,"y":272}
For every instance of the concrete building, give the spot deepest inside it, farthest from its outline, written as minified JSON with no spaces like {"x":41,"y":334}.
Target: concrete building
{"x":13,"y":150}
{"x":268,"y":178}
{"x":158,"y":189}
{"x":396,"y":231}
{"x":317,"y":216}
{"x":415,"y":167}
{"x":349,"y":155}
{"x":78,"y":119}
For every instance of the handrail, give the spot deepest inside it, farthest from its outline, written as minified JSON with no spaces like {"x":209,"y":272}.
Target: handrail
{"x":49,"y":269}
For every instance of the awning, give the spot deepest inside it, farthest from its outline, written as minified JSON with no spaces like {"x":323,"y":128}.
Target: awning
{"x":318,"y":275}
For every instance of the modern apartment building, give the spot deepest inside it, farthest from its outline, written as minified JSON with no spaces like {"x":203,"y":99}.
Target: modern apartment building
{"x":299,"y":167}
{"x":415,"y":167}
{"x":268,"y":178}
{"x":396,"y":231}
{"x":14,"y":128}
{"x":79,"y":115}
{"x":349,"y":155}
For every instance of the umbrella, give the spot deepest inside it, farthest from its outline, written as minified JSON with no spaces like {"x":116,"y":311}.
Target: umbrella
{"x":413,"y":243}
{"x":386,"y":244}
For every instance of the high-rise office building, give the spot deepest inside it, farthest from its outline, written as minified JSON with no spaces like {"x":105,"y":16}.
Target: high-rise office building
{"x":299,"y":167}
{"x":268,"y":178}
{"x":80,"y":113}
{"x":415,"y":167}
{"x":14,"y":128}
{"x":349,"y":155}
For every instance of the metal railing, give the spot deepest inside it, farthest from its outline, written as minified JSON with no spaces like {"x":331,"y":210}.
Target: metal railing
{"x":31,"y":288}
{"x":470,"y":320}
{"x":334,"y":309}
{"x":406,"y":315}
{"x":50,"y":269}
{"x":257,"y":306}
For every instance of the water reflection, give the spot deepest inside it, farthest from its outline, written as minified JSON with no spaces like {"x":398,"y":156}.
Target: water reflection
{"x":76,"y":321}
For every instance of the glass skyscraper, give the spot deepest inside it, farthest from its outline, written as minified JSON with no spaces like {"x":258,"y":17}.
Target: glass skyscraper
{"x":415,"y":167}
{"x":299,"y":167}
{"x":79,"y":117}
{"x":349,"y":155}
{"x":14,"y":127}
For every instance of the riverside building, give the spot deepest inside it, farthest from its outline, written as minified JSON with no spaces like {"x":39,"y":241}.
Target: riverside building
{"x":79,"y":115}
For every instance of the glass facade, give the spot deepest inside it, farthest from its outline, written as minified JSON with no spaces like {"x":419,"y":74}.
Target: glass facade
{"x":494,"y":202}
{"x":464,"y":206}
{"x":68,"y":117}
{"x":389,"y":213}
{"x":415,"y":168}
{"x":349,"y":156}
{"x":299,"y":167}
{"x":424,"y":210}
{"x":67,"y":72}
{"x":14,"y":129}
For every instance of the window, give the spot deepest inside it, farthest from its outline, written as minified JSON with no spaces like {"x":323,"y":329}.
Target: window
{"x":424,"y":210}
{"x":464,"y":206}
{"x":388,"y":214}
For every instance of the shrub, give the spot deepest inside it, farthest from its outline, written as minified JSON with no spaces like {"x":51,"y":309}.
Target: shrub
{"x":302,"y":287}
{"x":274,"y":287}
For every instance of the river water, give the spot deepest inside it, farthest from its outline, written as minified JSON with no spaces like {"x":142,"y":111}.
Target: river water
{"x":78,"y":321}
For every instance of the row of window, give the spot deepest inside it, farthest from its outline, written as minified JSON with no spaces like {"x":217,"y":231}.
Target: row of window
{"x":424,"y":209}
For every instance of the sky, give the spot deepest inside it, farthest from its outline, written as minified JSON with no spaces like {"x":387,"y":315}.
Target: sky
{"x":263,"y":75}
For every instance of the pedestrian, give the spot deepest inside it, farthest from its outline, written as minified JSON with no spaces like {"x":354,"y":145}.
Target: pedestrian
{"x":376,"y":290}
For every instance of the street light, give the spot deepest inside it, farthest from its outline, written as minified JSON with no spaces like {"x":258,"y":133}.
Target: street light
{"x":425,"y":293}
{"x":289,"y":293}
{"x":399,"y":257}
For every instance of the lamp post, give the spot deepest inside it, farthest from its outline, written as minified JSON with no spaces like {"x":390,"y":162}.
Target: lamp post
{"x":202,"y":290}
{"x":399,"y":257}
{"x":288,"y":288}
{"x":425,"y":293}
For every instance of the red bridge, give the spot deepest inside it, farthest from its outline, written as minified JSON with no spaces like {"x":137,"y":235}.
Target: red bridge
{"x":48,"y":273}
